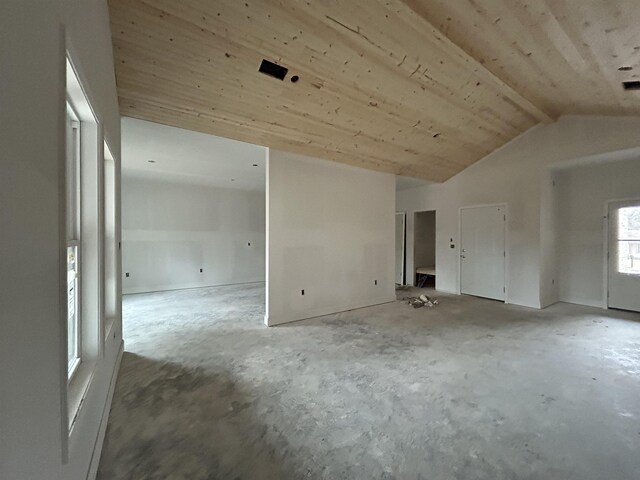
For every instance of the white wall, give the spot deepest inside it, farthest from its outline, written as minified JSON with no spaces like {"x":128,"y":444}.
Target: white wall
{"x":330,"y":231}
{"x":583,"y":191}
{"x":170,"y":230}
{"x":33,"y":366}
{"x":518,"y":174}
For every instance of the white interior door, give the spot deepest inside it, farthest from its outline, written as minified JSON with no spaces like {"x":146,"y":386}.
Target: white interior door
{"x":400,"y":244}
{"x":482,"y":251}
{"x":624,"y":255}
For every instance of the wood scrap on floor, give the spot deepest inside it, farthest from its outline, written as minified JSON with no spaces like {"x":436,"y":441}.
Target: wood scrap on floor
{"x":421,"y":301}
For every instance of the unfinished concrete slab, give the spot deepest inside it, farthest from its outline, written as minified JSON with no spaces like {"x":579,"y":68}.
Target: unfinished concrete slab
{"x":470,"y":389}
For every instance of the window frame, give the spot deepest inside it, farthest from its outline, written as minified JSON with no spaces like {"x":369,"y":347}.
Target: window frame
{"x":619,"y":239}
{"x":88,"y":237}
{"x":73,"y":189}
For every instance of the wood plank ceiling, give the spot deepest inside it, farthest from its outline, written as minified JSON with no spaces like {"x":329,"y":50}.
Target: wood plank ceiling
{"x":421,"y":88}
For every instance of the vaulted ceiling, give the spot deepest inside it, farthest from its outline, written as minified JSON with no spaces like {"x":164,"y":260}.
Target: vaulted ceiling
{"x":420,"y":88}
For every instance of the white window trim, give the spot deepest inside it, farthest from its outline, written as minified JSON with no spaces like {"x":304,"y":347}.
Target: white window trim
{"x":72,"y":367}
{"x":76,"y":237}
{"x":90,"y":158}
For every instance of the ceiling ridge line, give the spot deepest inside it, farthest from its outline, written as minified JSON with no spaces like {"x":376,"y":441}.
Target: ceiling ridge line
{"x":509,"y":92}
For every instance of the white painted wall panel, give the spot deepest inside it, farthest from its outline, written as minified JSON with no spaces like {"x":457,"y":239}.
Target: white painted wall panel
{"x":517,"y":174}
{"x":583,"y":191}
{"x":171,"y":230}
{"x":32,"y":325}
{"x":330,"y":231}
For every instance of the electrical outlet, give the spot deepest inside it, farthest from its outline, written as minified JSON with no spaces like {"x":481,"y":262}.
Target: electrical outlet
{"x":200,"y":270}
{"x":375,"y":282}
{"x":126,"y":274}
{"x":248,"y":244}
{"x":302,"y":292}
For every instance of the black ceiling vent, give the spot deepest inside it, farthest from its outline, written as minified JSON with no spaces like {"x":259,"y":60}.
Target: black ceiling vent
{"x":632,"y":85}
{"x":273,"y":70}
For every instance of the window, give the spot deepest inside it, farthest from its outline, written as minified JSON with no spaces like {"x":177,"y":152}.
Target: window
{"x":74,"y":339}
{"x":84,"y":243}
{"x":629,"y":240}
{"x":110,"y":241}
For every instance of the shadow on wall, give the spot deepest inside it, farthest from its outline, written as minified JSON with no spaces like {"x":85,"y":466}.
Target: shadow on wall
{"x":168,"y":421}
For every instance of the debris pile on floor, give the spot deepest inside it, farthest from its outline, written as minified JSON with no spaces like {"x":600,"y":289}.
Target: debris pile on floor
{"x":422,"y":301}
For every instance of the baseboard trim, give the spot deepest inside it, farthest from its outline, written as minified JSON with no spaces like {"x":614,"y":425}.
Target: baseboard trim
{"x":137,"y":291}
{"x":284,"y":322}
{"x":102,"y":430}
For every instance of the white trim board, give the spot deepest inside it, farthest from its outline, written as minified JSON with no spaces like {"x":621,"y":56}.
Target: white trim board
{"x":320,"y":315}
{"x":102,"y":430}
{"x":190,"y":287}
{"x":605,"y":247}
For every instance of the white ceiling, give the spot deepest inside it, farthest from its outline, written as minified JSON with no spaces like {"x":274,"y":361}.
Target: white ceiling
{"x":152,"y":150}
{"x":191,"y":157}
{"x":405,"y":183}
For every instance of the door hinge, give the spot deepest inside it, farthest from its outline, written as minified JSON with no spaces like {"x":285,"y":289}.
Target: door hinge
{"x":504,"y":289}
{"x":504,"y":254}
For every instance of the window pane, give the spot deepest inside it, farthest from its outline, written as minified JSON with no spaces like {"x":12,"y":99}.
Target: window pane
{"x":73,"y":175}
{"x":72,"y":306}
{"x":629,"y":257}
{"x":629,"y":223}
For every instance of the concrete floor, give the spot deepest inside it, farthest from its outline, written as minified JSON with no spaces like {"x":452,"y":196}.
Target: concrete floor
{"x":471,"y":389}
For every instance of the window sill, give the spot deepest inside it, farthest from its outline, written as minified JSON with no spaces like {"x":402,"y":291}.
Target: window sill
{"x":109,"y":325}
{"x":77,"y":391}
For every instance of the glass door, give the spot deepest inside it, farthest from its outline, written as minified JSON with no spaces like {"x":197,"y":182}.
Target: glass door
{"x":624,"y":255}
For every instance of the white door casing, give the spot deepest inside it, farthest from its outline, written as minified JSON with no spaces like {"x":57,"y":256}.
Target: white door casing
{"x":482,"y":251}
{"x":624,"y":255}
{"x":400,"y":247}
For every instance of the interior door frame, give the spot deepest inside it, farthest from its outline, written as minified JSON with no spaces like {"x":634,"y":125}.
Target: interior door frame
{"x":605,"y":250}
{"x":414,"y":239}
{"x":506,"y":244}
{"x":404,"y":247}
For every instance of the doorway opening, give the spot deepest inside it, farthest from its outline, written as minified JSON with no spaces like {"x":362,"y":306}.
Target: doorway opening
{"x":424,"y":249}
{"x":401,"y":247}
{"x":624,"y":255}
